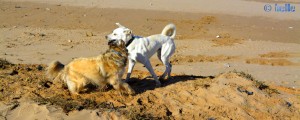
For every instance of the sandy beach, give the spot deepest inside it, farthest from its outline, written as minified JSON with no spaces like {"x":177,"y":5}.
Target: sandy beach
{"x":251,"y":71}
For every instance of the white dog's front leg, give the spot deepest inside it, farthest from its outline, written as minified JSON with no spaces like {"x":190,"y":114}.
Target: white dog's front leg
{"x":150,"y":69}
{"x":130,"y":68}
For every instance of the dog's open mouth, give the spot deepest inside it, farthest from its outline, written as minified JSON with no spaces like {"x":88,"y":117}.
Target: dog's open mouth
{"x":112,"y":42}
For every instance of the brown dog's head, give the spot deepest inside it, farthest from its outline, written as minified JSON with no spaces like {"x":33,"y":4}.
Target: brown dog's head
{"x":118,"y":45}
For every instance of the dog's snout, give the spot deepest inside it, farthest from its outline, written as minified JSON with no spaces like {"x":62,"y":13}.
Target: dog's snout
{"x":110,"y":42}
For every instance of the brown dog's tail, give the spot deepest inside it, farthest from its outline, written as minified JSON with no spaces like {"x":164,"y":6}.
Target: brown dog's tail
{"x":54,"y":69}
{"x":169,"y":30}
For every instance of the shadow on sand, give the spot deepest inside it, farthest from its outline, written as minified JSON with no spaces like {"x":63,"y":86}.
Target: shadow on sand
{"x":142,"y":85}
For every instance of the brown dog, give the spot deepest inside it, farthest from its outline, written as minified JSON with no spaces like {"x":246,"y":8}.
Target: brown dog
{"x":106,"y":68}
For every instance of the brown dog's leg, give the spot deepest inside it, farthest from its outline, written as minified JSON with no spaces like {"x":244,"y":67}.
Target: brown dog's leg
{"x":75,"y":83}
{"x":116,"y":82}
{"x":72,"y":86}
{"x":126,"y":87}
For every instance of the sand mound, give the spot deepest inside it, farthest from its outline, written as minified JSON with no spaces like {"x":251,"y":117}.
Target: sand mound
{"x":179,"y":59}
{"x":274,"y":59}
{"x":272,"y":62}
{"x":233,"y":95}
{"x":275,"y":55}
{"x":225,"y":39}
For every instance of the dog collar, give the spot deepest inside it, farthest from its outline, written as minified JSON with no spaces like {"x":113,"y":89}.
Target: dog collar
{"x":130,"y":41}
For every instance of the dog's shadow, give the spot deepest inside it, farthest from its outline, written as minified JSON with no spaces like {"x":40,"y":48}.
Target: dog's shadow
{"x":142,"y":85}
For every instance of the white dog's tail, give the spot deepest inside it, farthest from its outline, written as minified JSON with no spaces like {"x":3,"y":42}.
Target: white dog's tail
{"x":169,"y":30}
{"x":54,"y":69}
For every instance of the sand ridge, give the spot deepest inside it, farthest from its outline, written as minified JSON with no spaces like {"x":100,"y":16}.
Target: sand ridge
{"x":232,"y":95}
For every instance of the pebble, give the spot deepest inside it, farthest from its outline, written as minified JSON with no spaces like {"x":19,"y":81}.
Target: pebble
{"x":242,"y":89}
{"x":227,"y":65}
{"x":89,"y":34}
{"x":14,"y":72}
{"x":288,"y":104}
{"x":39,"y":67}
{"x":218,"y":36}
{"x":48,"y":9}
{"x":249,"y":93}
{"x":69,"y":40}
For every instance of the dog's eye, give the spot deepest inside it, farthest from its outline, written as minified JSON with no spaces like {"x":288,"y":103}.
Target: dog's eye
{"x":115,"y":34}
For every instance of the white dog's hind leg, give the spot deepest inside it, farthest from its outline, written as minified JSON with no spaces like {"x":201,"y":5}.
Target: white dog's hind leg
{"x":168,"y":66}
{"x":159,"y":57}
{"x":130,"y":68}
{"x":167,"y":51}
{"x":147,"y":64}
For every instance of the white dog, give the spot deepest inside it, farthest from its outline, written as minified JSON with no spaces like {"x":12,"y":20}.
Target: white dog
{"x":142,"y":48}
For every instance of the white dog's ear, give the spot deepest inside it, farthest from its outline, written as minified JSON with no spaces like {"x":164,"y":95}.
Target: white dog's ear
{"x":128,"y":32}
{"x":119,"y":25}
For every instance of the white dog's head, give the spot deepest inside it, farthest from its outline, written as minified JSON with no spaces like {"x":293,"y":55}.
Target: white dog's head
{"x":120,"y":33}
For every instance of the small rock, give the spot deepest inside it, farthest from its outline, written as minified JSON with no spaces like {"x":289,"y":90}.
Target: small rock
{"x":291,"y":27}
{"x":42,"y":34}
{"x":69,"y":41}
{"x":39,"y":67}
{"x":242,"y":89}
{"x":48,"y":9}
{"x":218,"y":36}
{"x":211,"y":118}
{"x":249,"y":93}
{"x":47,"y":84}
{"x":14,"y":72}
{"x":28,"y":69}
{"x":89,"y":34}
{"x":288,"y":104}
{"x":227,"y":65}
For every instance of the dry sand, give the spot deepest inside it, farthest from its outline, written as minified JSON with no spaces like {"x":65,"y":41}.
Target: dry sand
{"x":265,"y":46}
